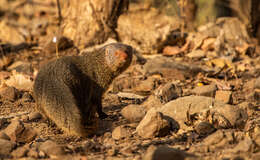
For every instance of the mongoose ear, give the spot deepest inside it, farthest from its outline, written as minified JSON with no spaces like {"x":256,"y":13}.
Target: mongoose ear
{"x":121,"y":55}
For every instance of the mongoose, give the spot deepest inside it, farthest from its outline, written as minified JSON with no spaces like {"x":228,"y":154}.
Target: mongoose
{"x":69,"y":90}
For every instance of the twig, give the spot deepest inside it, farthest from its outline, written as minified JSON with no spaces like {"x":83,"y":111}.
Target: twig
{"x":59,"y":31}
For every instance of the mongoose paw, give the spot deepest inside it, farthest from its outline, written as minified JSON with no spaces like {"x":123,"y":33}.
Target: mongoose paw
{"x":102,"y":115}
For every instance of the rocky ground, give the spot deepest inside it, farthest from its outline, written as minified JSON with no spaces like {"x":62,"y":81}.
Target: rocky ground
{"x":195,"y":95}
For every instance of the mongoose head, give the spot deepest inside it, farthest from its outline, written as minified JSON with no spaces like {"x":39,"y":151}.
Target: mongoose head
{"x":118,"y":56}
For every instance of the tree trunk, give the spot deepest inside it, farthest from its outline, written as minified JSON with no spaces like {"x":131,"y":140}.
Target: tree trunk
{"x":90,"y":22}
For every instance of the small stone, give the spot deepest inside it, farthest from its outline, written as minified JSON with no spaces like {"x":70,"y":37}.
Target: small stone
{"x":20,"y":152}
{"x":168,"y":92}
{"x":6,"y":147}
{"x":208,"y":44}
{"x":121,"y":132}
{"x":153,"y":124}
{"x":207,"y":90}
{"x":198,"y":54}
{"x":171,"y":50}
{"x":128,"y":151}
{"x":130,"y":98}
{"x":133,"y":113}
{"x":224,"y":96}
{"x":33,"y":153}
{"x":19,"y":133}
{"x":4,"y":136}
{"x":214,"y":138}
{"x":27,"y":135}
{"x":34,"y":116}
{"x":204,"y":128}
{"x":146,"y":86}
{"x":4,"y":75}
{"x":27,"y":97}
{"x":14,"y":129}
{"x":165,"y":153}
{"x":21,"y":67}
{"x":112,"y":152}
{"x":9,"y":93}
{"x":245,"y":145}
{"x":51,"y":148}
{"x":257,"y":83}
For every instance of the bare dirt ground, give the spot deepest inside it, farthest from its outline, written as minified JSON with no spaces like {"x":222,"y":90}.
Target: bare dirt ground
{"x":198,"y":98}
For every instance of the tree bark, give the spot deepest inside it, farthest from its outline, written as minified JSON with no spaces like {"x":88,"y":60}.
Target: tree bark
{"x":90,"y":22}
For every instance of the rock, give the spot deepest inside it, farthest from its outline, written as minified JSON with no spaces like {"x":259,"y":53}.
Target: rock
{"x":10,"y":34}
{"x":4,"y":75}
{"x":14,"y":129}
{"x":169,"y":68}
{"x":168,"y":92}
{"x":27,"y":135}
{"x":207,"y":90}
{"x":128,"y":151}
{"x":112,"y":151}
{"x":214,"y":138}
{"x":27,"y":97}
{"x":130,"y":97}
{"x":224,"y":96}
{"x":229,"y":116}
{"x":145,"y":87}
{"x":9,"y":93}
{"x":121,"y":132}
{"x":153,"y":124}
{"x":20,"y":81}
{"x":3,"y":122}
{"x":208,"y":44}
{"x":197,"y":54}
{"x":257,"y":83}
{"x":34,"y":116}
{"x":133,"y":113}
{"x":166,"y":153}
{"x":21,"y":67}
{"x":19,"y":133}
{"x":245,"y":145}
{"x":51,"y":148}
{"x":171,"y":50}
{"x":4,"y":136}
{"x":230,"y":28}
{"x":20,"y":152}
{"x":33,"y":153}
{"x":6,"y":147}
{"x":204,"y":128}
{"x":135,"y":29}
{"x":219,"y":114}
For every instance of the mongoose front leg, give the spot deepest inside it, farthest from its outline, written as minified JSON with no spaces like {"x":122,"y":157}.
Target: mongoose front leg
{"x":98,"y":102}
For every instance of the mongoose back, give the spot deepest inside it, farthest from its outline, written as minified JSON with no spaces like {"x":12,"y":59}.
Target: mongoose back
{"x":69,"y":90}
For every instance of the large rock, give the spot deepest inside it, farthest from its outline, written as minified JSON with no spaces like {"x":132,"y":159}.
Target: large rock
{"x":169,"y":68}
{"x":137,"y":29}
{"x":217,"y":113}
